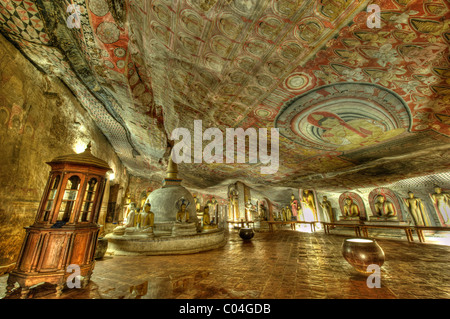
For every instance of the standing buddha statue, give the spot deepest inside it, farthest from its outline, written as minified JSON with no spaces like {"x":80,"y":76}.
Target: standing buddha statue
{"x":294,"y":207}
{"x":326,"y":206}
{"x":416,"y":209}
{"x":441,"y":201}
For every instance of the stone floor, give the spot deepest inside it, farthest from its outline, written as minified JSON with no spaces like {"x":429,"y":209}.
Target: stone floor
{"x":279,"y":265}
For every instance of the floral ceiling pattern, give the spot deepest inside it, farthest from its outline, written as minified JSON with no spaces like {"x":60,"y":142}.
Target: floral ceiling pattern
{"x":352,"y":103}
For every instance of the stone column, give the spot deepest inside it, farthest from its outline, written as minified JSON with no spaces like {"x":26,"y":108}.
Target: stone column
{"x":241,"y":200}
{"x":104,"y":209}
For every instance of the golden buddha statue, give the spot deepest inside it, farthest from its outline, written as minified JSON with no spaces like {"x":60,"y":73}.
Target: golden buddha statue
{"x":198,"y":207}
{"x":211,"y":203}
{"x":350,"y":208}
{"x":146,"y":218}
{"x":416,"y":209}
{"x":441,"y":202}
{"x":288,"y":213}
{"x":326,"y":206}
{"x":308,"y":199}
{"x":384,"y":208}
{"x":183,"y":214}
{"x":248,"y":210}
{"x":206,"y":217}
{"x":234,"y":206}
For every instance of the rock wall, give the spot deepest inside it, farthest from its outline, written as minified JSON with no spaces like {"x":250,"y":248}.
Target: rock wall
{"x":39,"y":120}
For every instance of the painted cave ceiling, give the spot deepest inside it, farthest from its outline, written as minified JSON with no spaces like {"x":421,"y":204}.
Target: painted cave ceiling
{"x":355,"y":106}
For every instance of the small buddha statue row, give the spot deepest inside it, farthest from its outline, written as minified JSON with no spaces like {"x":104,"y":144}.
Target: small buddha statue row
{"x":285,"y":214}
{"x":384,"y":208}
{"x":183,"y":216}
{"x":296,"y":208}
{"x":137,"y":222}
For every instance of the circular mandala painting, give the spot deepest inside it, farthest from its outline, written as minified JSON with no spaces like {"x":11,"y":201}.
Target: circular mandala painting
{"x":99,"y":7}
{"x":108,"y":32}
{"x":297,"y":82}
{"x":344,"y":116}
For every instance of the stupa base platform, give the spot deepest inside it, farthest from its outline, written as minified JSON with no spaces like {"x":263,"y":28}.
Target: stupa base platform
{"x":183,"y":229}
{"x":165,"y":245}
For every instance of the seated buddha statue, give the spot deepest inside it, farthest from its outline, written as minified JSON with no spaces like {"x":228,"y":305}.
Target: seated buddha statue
{"x":129,"y":221}
{"x":207,"y":224}
{"x":183,"y":214}
{"x":146,"y":219}
{"x":384,"y":208}
{"x":131,"y":218}
{"x":130,"y":208}
{"x":350,"y":208}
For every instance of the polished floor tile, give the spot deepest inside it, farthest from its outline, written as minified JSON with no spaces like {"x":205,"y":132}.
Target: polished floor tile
{"x":274,"y":265}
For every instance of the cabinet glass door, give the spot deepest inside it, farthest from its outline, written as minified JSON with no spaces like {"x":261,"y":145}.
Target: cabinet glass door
{"x":69,"y":198}
{"x":50,"y":198}
{"x":88,"y":202}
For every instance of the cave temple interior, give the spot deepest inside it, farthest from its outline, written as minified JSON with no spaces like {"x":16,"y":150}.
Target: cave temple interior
{"x":225,"y":149}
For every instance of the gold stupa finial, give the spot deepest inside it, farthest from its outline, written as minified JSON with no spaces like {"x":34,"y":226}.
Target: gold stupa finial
{"x":172,"y":169}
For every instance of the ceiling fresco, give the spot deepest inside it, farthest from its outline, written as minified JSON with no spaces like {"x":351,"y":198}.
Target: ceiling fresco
{"x":355,"y":106}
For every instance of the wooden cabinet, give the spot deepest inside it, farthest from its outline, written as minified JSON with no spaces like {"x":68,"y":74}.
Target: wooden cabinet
{"x":65,"y":230}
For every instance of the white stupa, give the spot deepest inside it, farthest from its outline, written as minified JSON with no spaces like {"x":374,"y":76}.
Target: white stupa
{"x":169,"y":235}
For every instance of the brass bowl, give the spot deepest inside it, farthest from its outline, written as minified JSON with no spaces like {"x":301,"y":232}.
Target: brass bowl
{"x":246,"y":233}
{"x":362,"y":252}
